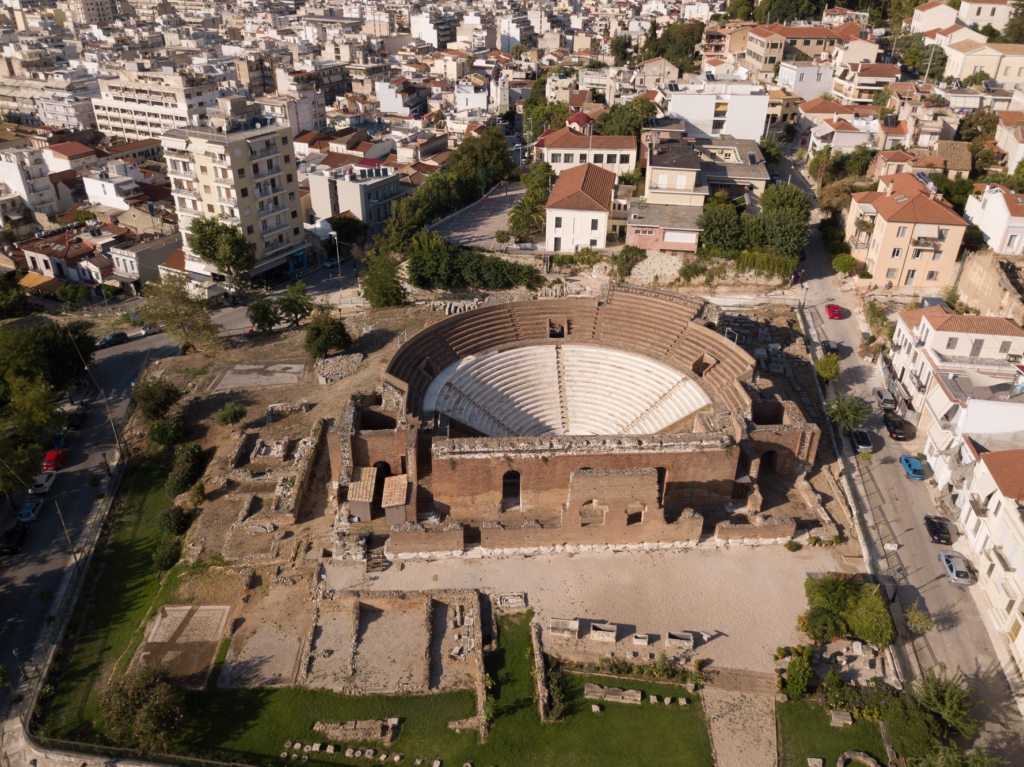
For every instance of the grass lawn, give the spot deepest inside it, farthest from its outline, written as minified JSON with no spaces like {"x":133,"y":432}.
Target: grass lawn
{"x":127,"y":589}
{"x":252,"y":725}
{"x":804,"y":731}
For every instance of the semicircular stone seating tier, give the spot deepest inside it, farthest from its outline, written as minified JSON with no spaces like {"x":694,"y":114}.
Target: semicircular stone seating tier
{"x":563,"y":389}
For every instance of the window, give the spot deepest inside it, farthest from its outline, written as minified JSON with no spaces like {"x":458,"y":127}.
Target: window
{"x":1004,"y":347}
{"x":943,"y":234}
{"x":917,"y":254}
{"x":1012,"y":242}
{"x":295,"y":231}
{"x":593,"y":224}
{"x":593,"y":243}
{"x":248,"y":229}
{"x":801,"y":77}
{"x":558,"y":222}
{"x":992,"y":12}
{"x":890,"y":274}
{"x":977,"y":69}
{"x":202,"y":169}
{"x":1006,"y":70}
{"x":951,"y":343}
{"x":976,"y":346}
{"x":209,"y":208}
{"x":623,"y":158}
{"x":819,"y":77}
{"x":599,"y":158}
{"x":583,"y":156}
{"x":245,"y":192}
{"x":897,"y":252}
{"x":569,"y":156}
{"x":288,"y":178}
{"x":977,"y":13}
{"x":287,"y":158}
{"x":206,"y":188}
{"x":556,"y":157}
{"x":902,"y":231}
{"x":241,"y":172}
{"x":717,"y":125}
{"x":937,"y":255}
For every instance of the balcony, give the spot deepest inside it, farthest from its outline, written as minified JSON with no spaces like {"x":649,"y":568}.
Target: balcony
{"x":228,"y":182}
{"x":233,"y":220}
{"x":269,"y":151}
{"x":190,"y":173}
{"x":916,"y":381}
{"x":931,"y":243}
{"x":267,"y":191}
{"x":1000,"y":557}
{"x":192,"y":194}
{"x":979,"y":505}
{"x":273,"y":248}
{"x":274,"y":228}
{"x":268,"y":172}
{"x":179,"y":153}
{"x":269,"y":210}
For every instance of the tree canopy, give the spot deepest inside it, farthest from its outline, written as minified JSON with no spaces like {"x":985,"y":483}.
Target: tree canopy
{"x":224,"y":247}
{"x":627,"y":119}
{"x":186,"y":318}
{"x":381,"y":284}
{"x":436,"y":264}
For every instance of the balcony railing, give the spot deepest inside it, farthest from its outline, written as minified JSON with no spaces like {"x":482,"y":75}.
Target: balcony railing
{"x":865,"y":225}
{"x":267,"y":191}
{"x":1002,"y":560}
{"x":276,"y":247}
{"x":926,"y":242}
{"x":274,"y":228}
{"x":269,"y":210}
{"x":234,"y":220}
{"x":916,"y":381}
{"x":256,"y":154}
{"x":978,"y":505}
{"x":268,"y":172}
{"x":180,"y":173}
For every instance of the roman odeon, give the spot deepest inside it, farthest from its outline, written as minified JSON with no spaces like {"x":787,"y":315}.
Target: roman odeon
{"x":568,"y":422}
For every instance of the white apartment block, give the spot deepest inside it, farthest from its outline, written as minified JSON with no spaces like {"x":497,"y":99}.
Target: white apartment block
{"x":980,"y":13}
{"x":25,"y":173}
{"x":113,"y":186}
{"x":713,"y":109}
{"x":366,"y":193}
{"x":139,"y":103}
{"x":89,"y":12}
{"x":245,"y":176}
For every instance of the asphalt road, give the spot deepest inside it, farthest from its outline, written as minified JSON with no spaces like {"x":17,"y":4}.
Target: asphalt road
{"x":897,"y":509}
{"x":28,"y":579}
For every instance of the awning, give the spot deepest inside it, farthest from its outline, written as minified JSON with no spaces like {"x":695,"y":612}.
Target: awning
{"x":114,"y":282}
{"x":40,"y":283}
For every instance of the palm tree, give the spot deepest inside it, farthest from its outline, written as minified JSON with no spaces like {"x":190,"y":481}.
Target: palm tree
{"x":847,"y":411}
{"x":526,"y":217}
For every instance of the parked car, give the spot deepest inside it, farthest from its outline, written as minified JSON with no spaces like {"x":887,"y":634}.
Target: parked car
{"x":912,"y":467}
{"x":30,"y":511}
{"x":114,"y":339}
{"x":895,"y":426}
{"x":149,"y":330}
{"x":955,"y":568}
{"x":834,"y":311}
{"x":75,"y":419}
{"x":12,"y":539}
{"x":884,"y":398}
{"x":332,"y":264}
{"x":829,"y":347}
{"x":938,"y":530}
{"x":860,"y":441}
{"x":776,"y":178}
{"x":55,"y":459}
{"x":42,"y":483}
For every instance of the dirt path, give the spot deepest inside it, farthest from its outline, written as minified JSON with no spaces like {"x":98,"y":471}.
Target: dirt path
{"x":742,"y":727}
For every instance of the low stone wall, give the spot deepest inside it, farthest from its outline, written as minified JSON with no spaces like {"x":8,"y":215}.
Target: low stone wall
{"x":413,"y":538}
{"x":813,"y":500}
{"x":765,"y":529}
{"x":496,"y":537}
{"x":305,"y":462}
{"x":540,"y":677}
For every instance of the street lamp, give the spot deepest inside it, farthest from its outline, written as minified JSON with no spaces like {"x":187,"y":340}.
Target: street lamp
{"x":337,"y":254}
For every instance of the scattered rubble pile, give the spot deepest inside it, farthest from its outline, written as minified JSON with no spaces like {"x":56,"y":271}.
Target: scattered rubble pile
{"x":331,"y":369}
{"x":383,"y":730}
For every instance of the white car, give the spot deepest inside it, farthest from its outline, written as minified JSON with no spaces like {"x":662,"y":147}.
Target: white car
{"x":955,"y":568}
{"x":42,"y":483}
{"x":30,"y":512}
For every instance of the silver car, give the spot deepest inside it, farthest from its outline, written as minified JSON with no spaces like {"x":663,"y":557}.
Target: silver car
{"x":955,"y":568}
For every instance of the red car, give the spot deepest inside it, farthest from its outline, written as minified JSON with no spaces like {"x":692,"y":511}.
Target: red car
{"x":834,"y":312}
{"x":55,"y":459}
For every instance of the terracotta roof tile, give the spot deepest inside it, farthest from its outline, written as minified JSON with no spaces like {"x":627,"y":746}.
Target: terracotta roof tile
{"x":976,"y":324}
{"x":1007,"y":470}
{"x":585,"y":187}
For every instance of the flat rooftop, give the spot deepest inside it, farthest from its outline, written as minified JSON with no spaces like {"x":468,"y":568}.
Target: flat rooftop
{"x":674,"y":153}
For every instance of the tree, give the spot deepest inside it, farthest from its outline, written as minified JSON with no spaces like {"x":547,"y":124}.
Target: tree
{"x":144,"y":709}
{"x":835,"y":197}
{"x":156,"y":397}
{"x":73,"y":295}
{"x":820,"y":167}
{"x":264,"y":314}
{"x":484,"y":159}
{"x":882,"y":97}
{"x":620,"y":49}
{"x":197,"y":495}
{"x":1013,"y":32}
{"x":235,"y":257}
{"x":627,"y":119}
{"x":979,"y":124}
{"x":538,"y":181}
{"x":326,"y":334}
{"x":920,"y":58}
{"x":519,"y":49}
{"x":720,"y":227}
{"x":976,"y":78}
{"x":847,"y":411}
{"x":913,"y":731}
{"x":786,"y":197}
{"x":83,"y":216}
{"x":12,"y":298}
{"x":296,"y":304}
{"x":526,"y":217}
{"x":917,"y":619}
{"x":844,"y":263}
{"x":167,"y":431}
{"x":626,"y":260}
{"x":772,"y":149}
{"x":827,"y":367}
{"x":952,"y":756}
{"x":651,"y":45}
{"x":381,"y":284}
{"x":780,"y":230}
{"x":869,"y":619}
{"x":347,"y":228}
{"x":186,"y":319}
{"x":949,"y":698}
{"x":230,"y":414}
{"x":857,"y":162}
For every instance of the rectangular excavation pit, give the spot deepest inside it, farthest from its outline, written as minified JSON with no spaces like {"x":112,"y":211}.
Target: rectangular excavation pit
{"x":393,"y":645}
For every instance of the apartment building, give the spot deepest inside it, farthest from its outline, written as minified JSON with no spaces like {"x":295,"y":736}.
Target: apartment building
{"x":1002,"y":62}
{"x":999,"y":213}
{"x":711,"y":109}
{"x":905,"y":234}
{"x":24,"y":172}
{"x":565,"y":148}
{"x":772,"y":43}
{"x":981,"y":13}
{"x":579,"y":209}
{"x":932,"y":15}
{"x":141,"y":103}
{"x":807,"y":79}
{"x":115,"y":186}
{"x":783,"y":110}
{"x":516,"y":30}
{"x":365,"y":193}
{"x":434,"y":28}
{"x":88,"y":12}
{"x":246,"y":176}
{"x":654,"y":73}
{"x":860,"y":83}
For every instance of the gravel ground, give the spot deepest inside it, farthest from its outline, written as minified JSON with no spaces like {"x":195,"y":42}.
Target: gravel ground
{"x":742,"y":728}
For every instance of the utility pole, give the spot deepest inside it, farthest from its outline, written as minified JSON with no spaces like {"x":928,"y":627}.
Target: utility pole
{"x":929,"y":68}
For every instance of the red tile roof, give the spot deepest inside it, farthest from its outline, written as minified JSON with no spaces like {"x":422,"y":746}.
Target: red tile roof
{"x":1007,"y":470}
{"x":71,"y":149}
{"x":585,"y":187}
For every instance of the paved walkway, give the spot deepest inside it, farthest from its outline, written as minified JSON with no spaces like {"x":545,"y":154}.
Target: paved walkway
{"x":475,"y":225}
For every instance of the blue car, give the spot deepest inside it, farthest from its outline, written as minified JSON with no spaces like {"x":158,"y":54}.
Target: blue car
{"x":913,"y":468}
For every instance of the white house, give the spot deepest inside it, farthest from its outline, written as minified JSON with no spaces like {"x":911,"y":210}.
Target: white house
{"x":999,"y":213}
{"x":579,"y":208}
{"x":712,"y":109}
{"x":933,"y":15}
{"x":980,"y":13}
{"x":113,"y":186}
{"x":842,"y":135}
{"x":807,"y":79}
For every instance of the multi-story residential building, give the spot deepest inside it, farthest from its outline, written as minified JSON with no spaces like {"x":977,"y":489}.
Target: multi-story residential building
{"x":728,"y":43}
{"x":905,"y":234}
{"x":711,"y":109}
{"x":983,"y":13}
{"x":807,"y":79}
{"x":1003,"y":63}
{"x":565,"y":148}
{"x":814,"y":114}
{"x":141,"y":103}
{"x":434,"y":28}
{"x":116,"y":186}
{"x":243,"y":175}
{"x":579,"y":209}
{"x":88,"y":12}
{"x":516,"y":30}
{"x":839,"y":134}
{"x":365,"y":193}
{"x":999,"y":213}
{"x":860,"y":83}
{"x":770,"y":44}
{"x":783,"y":110}
{"x":25,"y":173}
{"x":654,"y":73}
{"x":932,"y":15}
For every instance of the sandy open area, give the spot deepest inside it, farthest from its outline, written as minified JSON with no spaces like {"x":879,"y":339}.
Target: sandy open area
{"x":742,"y":728}
{"x":748,"y":599}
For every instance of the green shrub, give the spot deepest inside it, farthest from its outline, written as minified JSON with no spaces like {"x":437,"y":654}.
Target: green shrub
{"x":231,"y":413}
{"x":798,"y":676}
{"x":864,"y":274}
{"x":167,"y":431}
{"x":913,"y":731}
{"x":166,"y":552}
{"x":144,"y":709}
{"x":691,"y":271}
{"x":326,"y":334}
{"x":827,"y":367}
{"x":792,"y":546}
{"x":501,"y":237}
{"x":822,"y":625}
{"x":188,"y":465}
{"x":625,"y":260}
{"x":197,"y":495}
{"x":844,"y":264}
{"x":174,"y":521}
{"x":582,"y":257}
{"x":155,"y":398}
